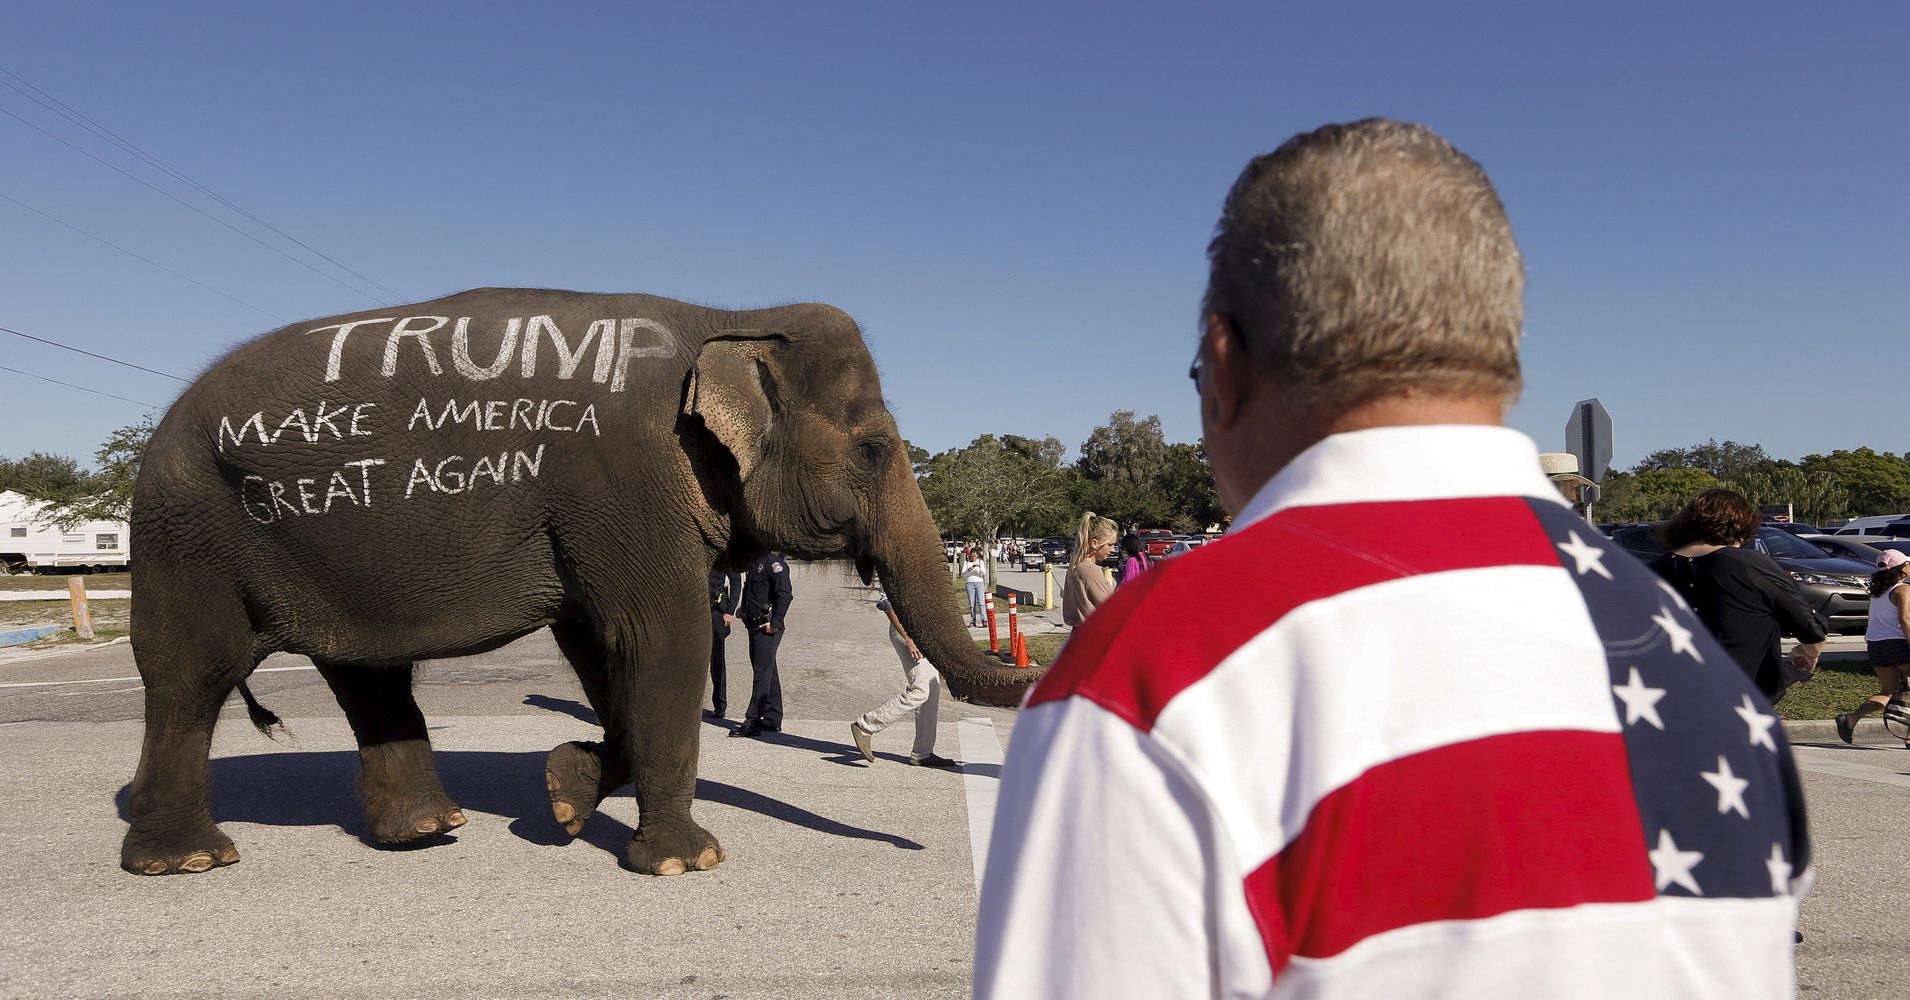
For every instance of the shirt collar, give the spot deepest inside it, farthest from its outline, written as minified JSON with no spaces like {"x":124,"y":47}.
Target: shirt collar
{"x":1421,"y":462}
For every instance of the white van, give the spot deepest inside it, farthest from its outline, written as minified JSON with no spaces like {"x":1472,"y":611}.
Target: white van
{"x":1870,"y":525}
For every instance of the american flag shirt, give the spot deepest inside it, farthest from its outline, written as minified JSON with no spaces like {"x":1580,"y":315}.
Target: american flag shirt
{"x":1412,"y":729}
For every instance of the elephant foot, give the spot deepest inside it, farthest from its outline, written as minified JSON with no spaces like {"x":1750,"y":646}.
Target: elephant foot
{"x":578,"y":780}
{"x":176,"y":854}
{"x":673,"y":850}
{"x":405,"y":821}
{"x":408,"y":823}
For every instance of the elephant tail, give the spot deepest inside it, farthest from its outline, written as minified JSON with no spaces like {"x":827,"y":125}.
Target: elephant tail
{"x":263,"y":718}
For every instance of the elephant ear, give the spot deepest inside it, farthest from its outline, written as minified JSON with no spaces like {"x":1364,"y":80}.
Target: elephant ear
{"x":732,"y":390}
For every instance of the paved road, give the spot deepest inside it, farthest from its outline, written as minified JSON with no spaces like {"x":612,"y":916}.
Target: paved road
{"x":842,"y":881}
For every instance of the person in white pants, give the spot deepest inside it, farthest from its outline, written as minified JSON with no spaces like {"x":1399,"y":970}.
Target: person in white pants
{"x":923,"y":696}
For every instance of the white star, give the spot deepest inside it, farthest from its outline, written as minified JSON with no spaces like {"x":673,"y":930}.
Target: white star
{"x":1758,"y":724}
{"x":1730,"y":788}
{"x":1588,"y":557}
{"x":1680,"y":636}
{"x":1641,"y":702}
{"x":1780,"y":870}
{"x":1673,"y":591}
{"x":1673,"y":865}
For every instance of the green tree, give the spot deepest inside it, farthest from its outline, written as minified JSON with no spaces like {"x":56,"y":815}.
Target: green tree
{"x":1652,"y":495}
{"x":918,"y":455}
{"x":1877,"y":482}
{"x":1121,"y":464}
{"x":43,"y":476}
{"x":109,"y":492}
{"x":1813,"y":498}
{"x":1723,"y":461}
{"x":1187,"y":482}
{"x":980,"y":489}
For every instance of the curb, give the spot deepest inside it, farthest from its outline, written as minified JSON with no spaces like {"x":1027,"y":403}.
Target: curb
{"x":1825,"y":730}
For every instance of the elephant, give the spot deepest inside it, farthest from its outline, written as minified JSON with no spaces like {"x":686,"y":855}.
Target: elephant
{"x":439,"y":479}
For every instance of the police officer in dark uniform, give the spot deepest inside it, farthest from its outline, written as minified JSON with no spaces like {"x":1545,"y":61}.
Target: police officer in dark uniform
{"x":766,"y":596}
{"x":725,"y":590}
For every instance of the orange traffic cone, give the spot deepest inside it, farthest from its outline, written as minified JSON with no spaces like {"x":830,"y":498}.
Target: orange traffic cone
{"x":1021,"y":650}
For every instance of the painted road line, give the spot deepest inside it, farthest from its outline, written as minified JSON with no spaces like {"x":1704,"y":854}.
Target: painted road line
{"x":1828,"y":762}
{"x":109,"y":680}
{"x":9,"y":657}
{"x":981,"y":779}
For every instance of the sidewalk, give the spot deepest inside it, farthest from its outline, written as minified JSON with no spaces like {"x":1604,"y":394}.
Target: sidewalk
{"x":61,"y":595}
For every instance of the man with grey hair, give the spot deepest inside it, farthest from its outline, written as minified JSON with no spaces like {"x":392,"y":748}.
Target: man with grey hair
{"x":1412,"y":729}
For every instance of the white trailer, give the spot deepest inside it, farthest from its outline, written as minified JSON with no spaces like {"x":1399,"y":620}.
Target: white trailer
{"x":31,"y":539}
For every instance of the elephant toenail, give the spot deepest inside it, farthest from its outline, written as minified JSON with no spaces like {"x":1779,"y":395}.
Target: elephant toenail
{"x":426,"y":826}
{"x":710,"y":858}
{"x":574,"y":828}
{"x":550,"y":781}
{"x":671,"y":866}
{"x":454,"y":818}
{"x":154,"y":868}
{"x":228,"y":854}
{"x":564,"y":812}
{"x":197,"y":861}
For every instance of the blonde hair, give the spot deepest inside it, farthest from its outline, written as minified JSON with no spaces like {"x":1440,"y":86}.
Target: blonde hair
{"x":1095,"y":531}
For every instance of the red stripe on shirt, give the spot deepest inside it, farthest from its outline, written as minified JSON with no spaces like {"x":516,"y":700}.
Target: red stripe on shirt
{"x":1540,"y":820}
{"x":1160,"y":634}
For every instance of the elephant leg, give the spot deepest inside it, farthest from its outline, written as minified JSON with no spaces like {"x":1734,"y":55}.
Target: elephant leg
{"x":579,"y":774}
{"x":404,"y":801}
{"x":169,"y":808}
{"x":663,"y":696}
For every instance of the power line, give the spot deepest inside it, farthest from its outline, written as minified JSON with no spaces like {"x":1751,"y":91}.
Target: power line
{"x":148,"y":184}
{"x":71,"y":114}
{"x":90,"y":354}
{"x":129,"y":253}
{"x":69,"y":385}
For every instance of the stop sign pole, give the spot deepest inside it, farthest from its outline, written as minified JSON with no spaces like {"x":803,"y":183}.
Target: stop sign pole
{"x":1588,"y":436}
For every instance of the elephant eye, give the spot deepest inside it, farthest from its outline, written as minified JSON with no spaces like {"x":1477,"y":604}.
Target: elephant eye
{"x":869,"y":454}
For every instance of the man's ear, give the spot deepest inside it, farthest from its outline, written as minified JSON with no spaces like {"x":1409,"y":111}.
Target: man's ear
{"x":732,"y":389}
{"x":1226,"y":374}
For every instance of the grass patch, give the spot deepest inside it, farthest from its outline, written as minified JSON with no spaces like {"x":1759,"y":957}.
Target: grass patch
{"x":113,"y":613}
{"x":68,"y":637}
{"x":1042,"y":649}
{"x":57,"y":581}
{"x":1842,"y":681}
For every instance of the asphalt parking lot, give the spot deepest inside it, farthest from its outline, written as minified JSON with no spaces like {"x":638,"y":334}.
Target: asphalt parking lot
{"x":842,"y":880}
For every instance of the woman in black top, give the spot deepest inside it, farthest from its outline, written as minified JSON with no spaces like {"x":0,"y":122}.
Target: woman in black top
{"x":1746,"y":600}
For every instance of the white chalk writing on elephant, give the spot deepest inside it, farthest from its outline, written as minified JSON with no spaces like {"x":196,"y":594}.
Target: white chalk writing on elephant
{"x":615,"y":340}
{"x":506,"y":414}
{"x":450,"y":476}
{"x":311,"y":429}
{"x":273,"y":500}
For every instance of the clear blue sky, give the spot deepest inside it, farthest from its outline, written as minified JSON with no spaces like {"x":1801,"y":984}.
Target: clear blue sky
{"x":1014,"y":199}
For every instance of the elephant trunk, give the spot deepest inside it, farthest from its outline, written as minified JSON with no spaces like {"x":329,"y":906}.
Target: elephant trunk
{"x":908,"y":554}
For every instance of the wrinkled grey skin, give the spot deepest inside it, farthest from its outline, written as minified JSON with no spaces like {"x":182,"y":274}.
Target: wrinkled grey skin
{"x":731,"y":433}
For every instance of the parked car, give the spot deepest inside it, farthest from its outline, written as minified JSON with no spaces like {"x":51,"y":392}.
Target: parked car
{"x":1793,"y":527}
{"x":1184,"y":544}
{"x":1059,"y":550}
{"x":1156,"y":541}
{"x":1893,"y":525}
{"x":1865,"y":548}
{"x":1836,"y":587}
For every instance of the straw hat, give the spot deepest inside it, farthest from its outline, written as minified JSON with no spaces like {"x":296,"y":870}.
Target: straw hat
{"x":1562,"y":467}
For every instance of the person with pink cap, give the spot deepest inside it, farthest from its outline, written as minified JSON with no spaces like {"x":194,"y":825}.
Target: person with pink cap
{"x":1885,"y":637}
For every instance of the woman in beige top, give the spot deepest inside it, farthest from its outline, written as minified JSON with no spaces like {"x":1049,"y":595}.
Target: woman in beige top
{"x":1088,"y":584}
